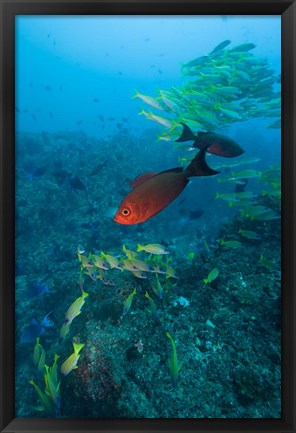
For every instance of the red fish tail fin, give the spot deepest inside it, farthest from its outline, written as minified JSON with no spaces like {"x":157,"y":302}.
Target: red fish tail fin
{"x":199,"y":166}
{"x":186,"y":135}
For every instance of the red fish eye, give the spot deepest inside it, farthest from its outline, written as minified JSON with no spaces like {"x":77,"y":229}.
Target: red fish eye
{"x":126,"y":212}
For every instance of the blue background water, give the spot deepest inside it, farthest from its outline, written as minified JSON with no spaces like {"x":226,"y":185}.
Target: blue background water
{"x":106,"y":58}
{"x":75,"y":82}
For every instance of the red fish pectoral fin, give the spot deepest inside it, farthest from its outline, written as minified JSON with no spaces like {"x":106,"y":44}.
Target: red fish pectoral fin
{"x":199,"y":166}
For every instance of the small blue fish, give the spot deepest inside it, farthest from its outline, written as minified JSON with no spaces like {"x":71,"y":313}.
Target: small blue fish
{"x":37,"y":289}
{"x":47,"y":323}
{"x":31,"y":332}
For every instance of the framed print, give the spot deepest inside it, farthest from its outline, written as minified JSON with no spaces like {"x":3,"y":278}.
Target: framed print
{"x":147,"y":216}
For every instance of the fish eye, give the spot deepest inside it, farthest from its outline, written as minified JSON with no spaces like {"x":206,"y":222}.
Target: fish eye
{"x":126,"y":212}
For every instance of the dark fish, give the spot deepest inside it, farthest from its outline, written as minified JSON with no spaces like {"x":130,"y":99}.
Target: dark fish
{"x":61,"y":176}
{"x":217,"y":144}
{"x":48,"y":88}
{"x":31,"y":332}
{"x":97,"y":169}
{"x":196,"y":62}
{"x":220,"y":46}
{"x":155,"y":192}
{"x":240,"y":185}
{"x":38,"y":172}
{"x":95,"y":100}
{"x":76,"y":183}
{"x":243,"y":48}
{"x":195,"y":214}
{"x":37,"y":289}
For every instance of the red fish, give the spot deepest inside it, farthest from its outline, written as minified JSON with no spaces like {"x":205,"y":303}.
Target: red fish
{"x":154,"y":192}
{"x":217,"y":144}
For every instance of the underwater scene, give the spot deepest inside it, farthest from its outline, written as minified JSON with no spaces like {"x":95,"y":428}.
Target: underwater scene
{"x":148,"y":217}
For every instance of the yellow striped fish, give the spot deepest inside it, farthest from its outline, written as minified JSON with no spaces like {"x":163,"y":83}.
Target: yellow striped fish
{"x":71,"y":362}
{"x":74,"y":309}
{"x":128,"y":302}
{"x":113,"y":261}
{"x":41,"y":362}
{"x":99,"y":262}
{"x":140,"y":265}
{"x":65,"y":329}
{"x":37,"y":351}
{"x":152,"y":248}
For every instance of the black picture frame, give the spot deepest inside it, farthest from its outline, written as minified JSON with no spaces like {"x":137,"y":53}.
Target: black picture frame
{"x":11,"y":8}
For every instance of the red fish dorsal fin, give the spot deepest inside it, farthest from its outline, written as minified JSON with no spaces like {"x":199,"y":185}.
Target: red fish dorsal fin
{"x":201,"y":133}
{"x":176,"y":170}
{"x":141,"y":178}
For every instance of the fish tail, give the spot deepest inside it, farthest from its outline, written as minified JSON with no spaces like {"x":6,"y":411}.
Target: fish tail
{"x":187,"y":134}
{"x":136,"y":95}
{"x":140,"y":248}
{"x":84,"y":294}
{"x":198,"y":166}
{"x":77,"y":347}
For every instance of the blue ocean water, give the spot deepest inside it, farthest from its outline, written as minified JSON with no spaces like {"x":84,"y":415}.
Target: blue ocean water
{"x":99,"y":102}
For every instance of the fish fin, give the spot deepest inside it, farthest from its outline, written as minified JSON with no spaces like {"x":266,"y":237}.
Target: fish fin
{"x":77,"y":347}
{"x":39,"y":408}
{"x":201,"y":133}
{"x":141,"y":178}
{"x":176,"y":170}
{"x":187,"y":134}
{"x":84,"y":294}
{"x":199,"y":166}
